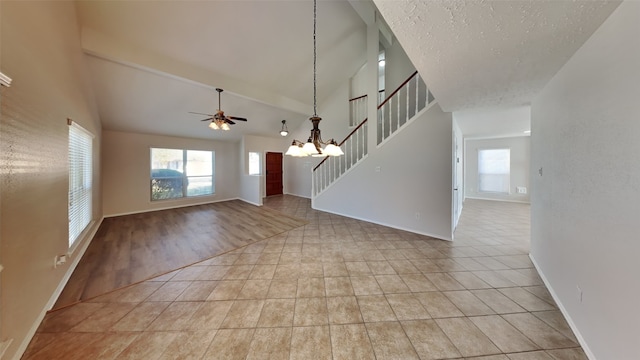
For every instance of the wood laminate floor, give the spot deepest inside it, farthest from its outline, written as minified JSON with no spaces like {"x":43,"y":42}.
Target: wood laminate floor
{"x":132,"y":248}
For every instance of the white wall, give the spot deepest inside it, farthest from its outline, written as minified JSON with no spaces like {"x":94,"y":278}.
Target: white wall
{"x":126,"y":164}
{"x":253,"y":187}
{"x":458,"y":183}
{"x":41,"y":53}
{"x":494,"y":122}
{"x":406,"y":184}
{"x":398,"y":67}
{"x":585,"y":206}
{"x":519,"y":171}
{"x":359,"y":83}
{"x":250,"y":185}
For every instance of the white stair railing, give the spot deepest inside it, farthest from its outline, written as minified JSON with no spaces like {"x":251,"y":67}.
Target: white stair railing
{"x":357,"y":110}
{"x":393,"y":113}
{"x":330,"y":168}
{"x":402,"y":105}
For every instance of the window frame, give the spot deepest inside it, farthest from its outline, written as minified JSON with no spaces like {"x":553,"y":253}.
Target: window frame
{"x":80,"y":177}
{"x":184,"y":174}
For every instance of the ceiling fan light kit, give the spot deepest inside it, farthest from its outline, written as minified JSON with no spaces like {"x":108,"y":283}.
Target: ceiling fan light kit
{"x":313,"y":146}
{"x":219,"y":125}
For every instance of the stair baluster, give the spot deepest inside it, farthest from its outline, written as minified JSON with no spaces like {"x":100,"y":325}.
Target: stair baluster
{"x":405,"y":103}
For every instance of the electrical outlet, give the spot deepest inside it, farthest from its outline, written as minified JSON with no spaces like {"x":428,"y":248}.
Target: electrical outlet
{"x":417,"y":215}
{"x":521,"y":189}
{"x":59,"y":260}
{"x":377,"y":168}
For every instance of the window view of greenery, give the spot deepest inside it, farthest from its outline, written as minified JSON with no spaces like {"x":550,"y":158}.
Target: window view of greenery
{"x":177,"y":173}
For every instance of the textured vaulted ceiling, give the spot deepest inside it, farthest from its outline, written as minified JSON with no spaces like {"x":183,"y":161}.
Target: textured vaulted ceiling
{"x":151,"y":62}
{"x":476,"y":54}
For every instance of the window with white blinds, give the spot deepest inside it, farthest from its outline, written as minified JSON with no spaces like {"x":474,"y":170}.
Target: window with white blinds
{"x":494,"y":170}
{"x":80,"y":180}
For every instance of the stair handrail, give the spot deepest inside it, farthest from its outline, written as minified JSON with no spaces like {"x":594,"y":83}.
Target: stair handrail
{"x":343,"y":141}
{"x":398,"y":89}
{"x":359,"y":97}
{"x":365,"y":120}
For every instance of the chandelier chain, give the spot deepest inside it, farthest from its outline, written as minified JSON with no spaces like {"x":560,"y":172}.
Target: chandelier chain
{"x":313,"y":145}
{"x":315,"y":110}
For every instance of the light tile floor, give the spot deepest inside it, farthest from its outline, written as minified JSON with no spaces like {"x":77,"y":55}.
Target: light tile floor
{"x":336,"y":288}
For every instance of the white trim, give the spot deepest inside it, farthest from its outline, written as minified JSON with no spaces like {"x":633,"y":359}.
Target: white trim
{"x":169,"y":207}
{"x":363,"y":158}
{"x":78,"y":126}
{"x":89,"y":232}
{"x":414,"y":118}
{"x":298,"y":195}
{"x":564,"y":311}
{"x":249,"y":202}
{"x":5,"y":80}
{"x":437,"y":237}
{"x":489,"y":137}
{"x":54,"y":297}
{"x":502,"y":200}
{"x":4,"y":346}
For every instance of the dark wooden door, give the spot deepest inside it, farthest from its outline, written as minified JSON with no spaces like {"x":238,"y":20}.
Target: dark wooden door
{"x":274,"y":173}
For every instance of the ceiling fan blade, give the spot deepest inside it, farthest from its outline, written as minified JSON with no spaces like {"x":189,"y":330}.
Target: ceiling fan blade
{"x":197,"y":113}
{"x":229,"y":122}
{"x":236,"y":118}
{"x":209,"y":119}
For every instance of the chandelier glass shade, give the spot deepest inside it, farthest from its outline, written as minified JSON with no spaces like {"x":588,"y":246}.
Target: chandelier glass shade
{"x":218,"y":124}
{"x":284,"y":131}
{"x":313,"y":146}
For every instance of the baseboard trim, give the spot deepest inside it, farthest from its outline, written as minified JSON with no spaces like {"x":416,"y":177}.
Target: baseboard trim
{"x":298,"y":195}
{"x":501,"y":200}
{"x":250,"y":202}
{"x":4,"y":346}
{"x":385,"y":224}
{"x":169,"y":207}
{"x":77,"y":255}
{"x":564,"y":311}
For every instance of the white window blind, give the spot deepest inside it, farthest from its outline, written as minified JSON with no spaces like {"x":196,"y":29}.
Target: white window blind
{"x":80,"y":180}
{"x":254,"y":163}
{"x":494,"y":170}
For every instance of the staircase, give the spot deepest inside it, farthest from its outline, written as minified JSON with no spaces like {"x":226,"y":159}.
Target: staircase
{"x":396,"y":111}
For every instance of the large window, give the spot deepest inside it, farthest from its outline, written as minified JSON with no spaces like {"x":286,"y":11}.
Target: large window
{"x":494,"y":166}
{"x":80,"y":180}
{"x":177,"y":173}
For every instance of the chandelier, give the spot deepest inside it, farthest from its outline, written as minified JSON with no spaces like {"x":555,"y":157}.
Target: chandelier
{"x":313,"y":146}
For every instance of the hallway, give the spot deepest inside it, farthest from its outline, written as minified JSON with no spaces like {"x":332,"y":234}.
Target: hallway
{"x":336,"y":288}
